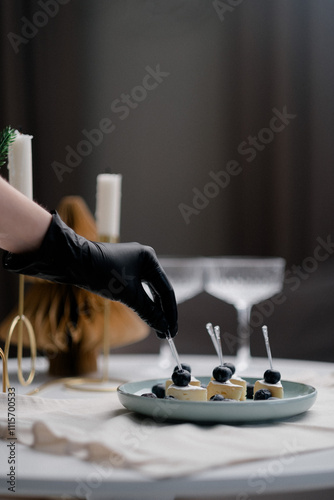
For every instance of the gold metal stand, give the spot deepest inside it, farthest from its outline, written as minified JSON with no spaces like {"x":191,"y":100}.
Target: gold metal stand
{"x":89,"y":384}
{"x":19,"y":321}
{"x":4,"y":370}
{"x":106,"y":343}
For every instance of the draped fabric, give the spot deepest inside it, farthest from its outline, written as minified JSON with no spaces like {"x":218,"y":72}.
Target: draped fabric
{"x":222,"y":117}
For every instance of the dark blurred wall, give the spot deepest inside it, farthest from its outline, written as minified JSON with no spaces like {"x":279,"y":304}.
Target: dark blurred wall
{"x":224,"y":137}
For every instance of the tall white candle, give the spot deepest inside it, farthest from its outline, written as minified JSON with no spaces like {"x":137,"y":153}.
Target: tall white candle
{"x":108,"y":205}
{"x":20,"y":164}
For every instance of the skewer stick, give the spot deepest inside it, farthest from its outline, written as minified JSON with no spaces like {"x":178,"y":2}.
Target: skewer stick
{"x":174,"y":351}
{"x":266,"y":340}
{"x":220,"y":351}
{"x":211,"y":332}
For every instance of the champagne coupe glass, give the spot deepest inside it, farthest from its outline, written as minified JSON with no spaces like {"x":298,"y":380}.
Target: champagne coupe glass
{"x":244,"y":282}
{"x":186,"y":277}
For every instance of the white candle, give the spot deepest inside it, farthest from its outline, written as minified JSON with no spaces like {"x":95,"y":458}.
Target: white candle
{"x":20,"y":164}
{"x":108,"y":205}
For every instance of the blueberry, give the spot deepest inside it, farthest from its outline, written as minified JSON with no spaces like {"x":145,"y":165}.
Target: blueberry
{"x":185,"y":366}
{"x":271,"y":376}
{"x":159,"y":390}
{"x":222,"y":373}
{"x":217,"y":397}
{"x":169,"y":397}
{"x":149,"y":395}
{"x":231,"y":367}
{"x":181,"y":378}
{"x":249,"y":391}
{"x":262,"y":394}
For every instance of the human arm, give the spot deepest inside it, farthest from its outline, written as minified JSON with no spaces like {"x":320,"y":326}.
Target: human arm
{"x":23,"y":223}
{"x":42,"y":245}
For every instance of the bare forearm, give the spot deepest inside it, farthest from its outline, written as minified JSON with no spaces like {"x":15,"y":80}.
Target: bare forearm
{"x":23,"y":223}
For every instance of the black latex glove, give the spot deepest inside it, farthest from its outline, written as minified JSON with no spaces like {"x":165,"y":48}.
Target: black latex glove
{"x":114,"y":270}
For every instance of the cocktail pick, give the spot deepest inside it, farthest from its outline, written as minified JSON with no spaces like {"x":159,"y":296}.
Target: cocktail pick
{"x":219,"y":345}
{"x":211,"y":332}
{"x":270,"y":376}
{"x":266,"y":340}
{"x":174,"y":351}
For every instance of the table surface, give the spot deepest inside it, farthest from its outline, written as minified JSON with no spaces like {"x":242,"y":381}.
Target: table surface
{"x":40,"y":474}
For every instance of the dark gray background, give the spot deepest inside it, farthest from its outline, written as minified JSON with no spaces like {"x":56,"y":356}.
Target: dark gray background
{"x":227,"y":73}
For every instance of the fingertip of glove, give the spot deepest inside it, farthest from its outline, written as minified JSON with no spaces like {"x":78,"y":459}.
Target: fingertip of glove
{"x":173,"y":331}
{"x":162,"y":334}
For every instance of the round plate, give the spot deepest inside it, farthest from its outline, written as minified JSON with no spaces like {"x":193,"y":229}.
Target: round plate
{"x":298,"y":398}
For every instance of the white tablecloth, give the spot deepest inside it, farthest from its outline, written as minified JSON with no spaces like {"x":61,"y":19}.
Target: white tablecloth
{"x":99,"y":430}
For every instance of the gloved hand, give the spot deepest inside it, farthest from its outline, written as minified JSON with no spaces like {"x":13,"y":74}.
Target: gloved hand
{"x":114,"y":270}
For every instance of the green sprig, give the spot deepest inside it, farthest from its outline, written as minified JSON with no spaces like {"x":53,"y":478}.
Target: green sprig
{"x":7,"y":137}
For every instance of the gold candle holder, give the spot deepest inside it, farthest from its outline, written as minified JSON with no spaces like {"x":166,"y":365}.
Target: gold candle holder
{"x":4,"y":370}
{"x":91,"y":384}
{"x":21,"y":320}
{"x":106,"y":345}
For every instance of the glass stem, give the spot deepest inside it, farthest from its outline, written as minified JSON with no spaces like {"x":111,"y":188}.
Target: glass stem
{"x":243,"y":355}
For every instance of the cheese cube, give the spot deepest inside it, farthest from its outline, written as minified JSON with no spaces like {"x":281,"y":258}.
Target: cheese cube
{"x":240,"y":381}
{"x":187,"y":393}
{"x":275,"y":389}
{"x":226,"y":389}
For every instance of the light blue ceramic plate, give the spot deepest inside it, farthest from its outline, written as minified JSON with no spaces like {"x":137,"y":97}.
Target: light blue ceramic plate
{"x":298,"y":398}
